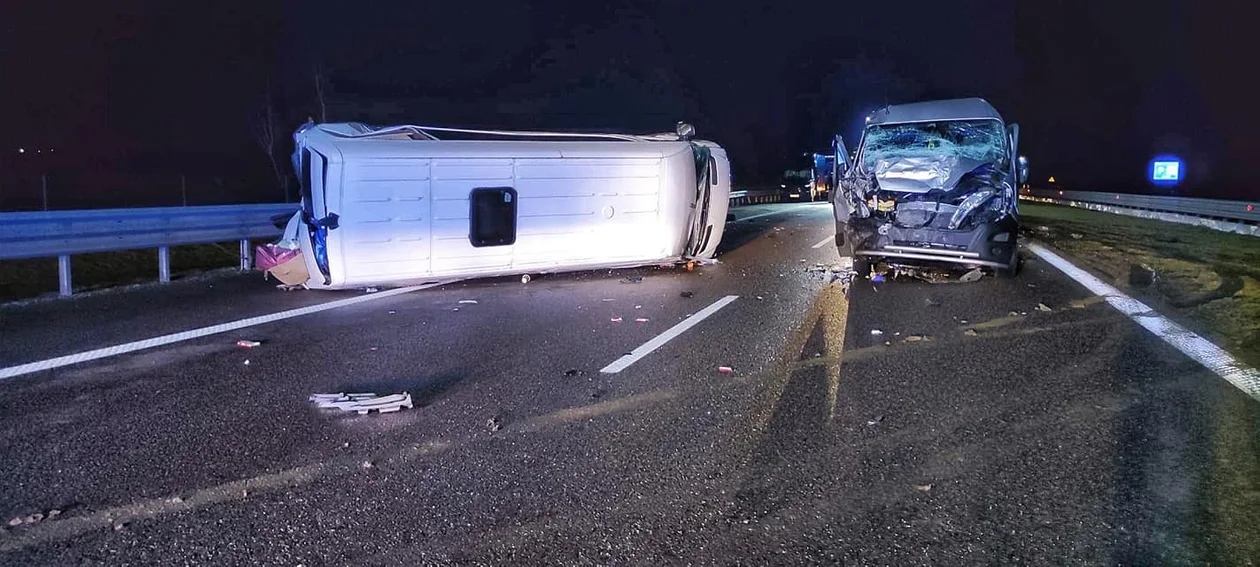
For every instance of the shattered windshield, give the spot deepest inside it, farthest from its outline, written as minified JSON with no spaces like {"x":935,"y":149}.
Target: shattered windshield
{"x":982,"y":141}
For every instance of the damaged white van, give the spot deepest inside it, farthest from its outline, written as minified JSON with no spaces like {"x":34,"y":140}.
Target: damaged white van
{"x":396,"y":205}
{"x":930,"y":182}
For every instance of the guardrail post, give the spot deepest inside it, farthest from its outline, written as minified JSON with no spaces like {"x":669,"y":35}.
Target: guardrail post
{"x":164,"y":264}
{"x":63,"y":275}
{"x":247,"y":259}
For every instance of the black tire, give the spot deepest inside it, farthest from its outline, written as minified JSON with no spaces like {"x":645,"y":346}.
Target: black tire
{"x":1012,"y":266}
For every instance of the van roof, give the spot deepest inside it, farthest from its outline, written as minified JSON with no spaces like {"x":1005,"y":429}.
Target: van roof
{"x":933,"y":110}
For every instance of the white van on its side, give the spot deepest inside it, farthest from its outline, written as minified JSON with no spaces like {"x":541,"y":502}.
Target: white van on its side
{"x":396,"y":205}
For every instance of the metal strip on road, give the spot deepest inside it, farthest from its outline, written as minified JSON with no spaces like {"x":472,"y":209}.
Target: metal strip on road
{"x":669,"y":334}
{"x":1192,"y":345}
{"x":116,"y":350}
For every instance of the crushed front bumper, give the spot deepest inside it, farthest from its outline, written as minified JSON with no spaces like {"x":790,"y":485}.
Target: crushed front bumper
{"x":991,"y":245}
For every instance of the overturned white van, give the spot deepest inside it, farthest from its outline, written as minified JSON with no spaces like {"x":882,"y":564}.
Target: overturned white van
{"x":396,"y":205}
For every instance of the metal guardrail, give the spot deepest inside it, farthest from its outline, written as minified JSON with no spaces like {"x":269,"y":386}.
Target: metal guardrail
{"x":755,"y":196}
{"x":62,"y":234}
{"x":1240,"y":211}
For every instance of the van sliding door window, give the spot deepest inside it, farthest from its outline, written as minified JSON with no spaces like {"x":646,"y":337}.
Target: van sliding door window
{"x":492,"y":217}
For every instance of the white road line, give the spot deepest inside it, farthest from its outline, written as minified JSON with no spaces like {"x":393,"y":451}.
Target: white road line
{"x":1197,"y":348}
{"x":116,"y":350}
{"x":669,"y":334}
{"x":825,"y":242}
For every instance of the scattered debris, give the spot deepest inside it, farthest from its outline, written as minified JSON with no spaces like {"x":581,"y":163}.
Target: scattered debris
{"x":638,"y":307}
{"x":1083,"y":303}
{"x":616,"y":319}
{"x":573,"y":372}
{"x":1077,"y":236}
{"x":15,"y":522}
{"x":246,"y":362}
{"x":248,"y":344}
{"x":923,"y":487}
{"x":367,"y":464}
{"x":1013,"y":314}
{"x":875,"y":420}
{"x":175,"y":500}
{"x":876,"y":332}
{"x":392,"y":312}
{"x":1141,"y":275}
{"x":468,"y":301}
{"x":687,"y":294}
{"x":1042,"y":228}
{"x":608,"y":299}
{"x":970,"y":332}
{"x":931,"y":302}
{"x":120,"y":526}
{"x":973,"y":276}
{"x":877,"y":278}
{"x":641,"y":320}
{"x":525,"y":278}
{"x":363,"y":403}
{"x":725,"y":369}
{"x":494,"y":423}
{"x":53,"y":513}
{"x":632,"y":279}
{"x":371,"y":290}
{"x":1032,"y":285}
{"x":759,"y":298}
{"x":917,"y":338}
{"x":1043,"y":307}
{"x":287,"y":287}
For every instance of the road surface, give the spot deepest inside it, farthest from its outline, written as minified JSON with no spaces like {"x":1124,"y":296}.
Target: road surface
{"x":907,"y":423}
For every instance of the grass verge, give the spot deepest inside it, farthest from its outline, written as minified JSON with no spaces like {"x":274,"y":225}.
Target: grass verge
{"x":29,"y":279}
{"x":1207,"y":280}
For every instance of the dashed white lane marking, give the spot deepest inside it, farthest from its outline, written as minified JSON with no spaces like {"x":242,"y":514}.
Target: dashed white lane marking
{"x":659,"y":340}
{"x":116,"y":350}
{"x":1197,"y":348}
{"x":824,"y":242}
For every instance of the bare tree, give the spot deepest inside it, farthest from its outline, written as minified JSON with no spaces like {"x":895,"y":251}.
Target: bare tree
{"x":320,"y":77}
{"x":265,"y":128}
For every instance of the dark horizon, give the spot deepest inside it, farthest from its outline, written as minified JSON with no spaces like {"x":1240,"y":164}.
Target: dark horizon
{"x":1098,"y":90}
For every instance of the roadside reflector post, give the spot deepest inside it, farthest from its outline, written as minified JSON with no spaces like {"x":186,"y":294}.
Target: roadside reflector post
{"x":247,"y":256}
{"x":164,"y":264}
{"x":63,"y":275}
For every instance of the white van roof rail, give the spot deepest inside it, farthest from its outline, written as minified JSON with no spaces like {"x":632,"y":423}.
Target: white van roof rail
{"x":364,"y":131}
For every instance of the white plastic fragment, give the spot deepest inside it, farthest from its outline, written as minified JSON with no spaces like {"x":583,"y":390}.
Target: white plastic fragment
{"x":468,"y":301}
{"x":362,"y":403}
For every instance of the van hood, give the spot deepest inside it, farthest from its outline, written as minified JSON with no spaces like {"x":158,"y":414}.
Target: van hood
{"x":922,"y":174}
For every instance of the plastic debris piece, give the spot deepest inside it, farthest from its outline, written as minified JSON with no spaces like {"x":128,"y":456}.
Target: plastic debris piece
{"x":686,"y":294}
{"x":15,"y":522}
{"x":638,"y":307}
{"x":371,"y":290}
{"x":392,"y":312}
{"x":970,"y":332}
{"x":1043,"y":307}
{"x":246,"y":362}
{"x":248,"y":344}
{"x":973,"y":276}
{"x":363,"y":403}
{"x":725,"y":369}
{"x":616,"y":319}
{"x":367,"y":464}
{"x":916,"y":338}
{"x":875,"y":420}
{"x":525,"y":278}
{"x":876,"y":332}
{"x":641,"y":320}
{"x":468,"y":301}
{"x":923,"y":487}
{"x":494,"y":423}
{"x":608,"y":299}
{"x":759,"y":298}
{"x":1013,"y":314}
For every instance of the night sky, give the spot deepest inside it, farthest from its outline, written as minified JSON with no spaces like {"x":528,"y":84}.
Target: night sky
{"x":1097,"y":87}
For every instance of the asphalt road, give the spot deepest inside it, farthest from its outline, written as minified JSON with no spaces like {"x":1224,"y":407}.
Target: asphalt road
{"x":959,"y":434}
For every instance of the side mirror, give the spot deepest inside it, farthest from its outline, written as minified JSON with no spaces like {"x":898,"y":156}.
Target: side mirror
{"x":685,"y":131}
{"x":842,"y":155}
{"x":1023,"y":170}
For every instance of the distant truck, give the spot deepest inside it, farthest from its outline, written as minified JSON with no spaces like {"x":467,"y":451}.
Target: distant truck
{"x":932,"y":182}
{"x":396,"y":205}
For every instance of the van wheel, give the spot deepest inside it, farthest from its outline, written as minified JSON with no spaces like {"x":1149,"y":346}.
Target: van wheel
{"x":1012,"y":266}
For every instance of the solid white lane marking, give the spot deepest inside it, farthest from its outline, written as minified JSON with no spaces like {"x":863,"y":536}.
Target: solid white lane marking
{"x":116,"y":350}
{"x":1192,"y":345}
{"x":824,"y":242}
{"x":783,"y":210}
{"x":669,"y":334}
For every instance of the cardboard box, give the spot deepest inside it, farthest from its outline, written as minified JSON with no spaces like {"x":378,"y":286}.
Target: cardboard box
{"x":292,"y":271}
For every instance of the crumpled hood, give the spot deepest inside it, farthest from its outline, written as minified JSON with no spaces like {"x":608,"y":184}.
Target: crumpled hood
{"x":922,"y":174}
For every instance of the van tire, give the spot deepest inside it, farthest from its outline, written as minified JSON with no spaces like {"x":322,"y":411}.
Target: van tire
{"x":1012,"y":266}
